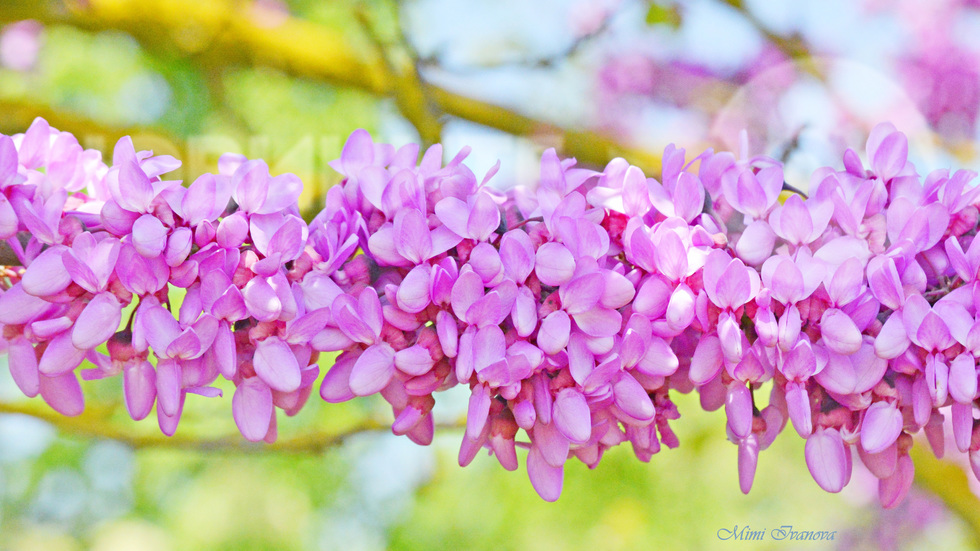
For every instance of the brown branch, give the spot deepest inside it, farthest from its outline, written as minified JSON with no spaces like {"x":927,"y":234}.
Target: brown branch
{"x":7,"y":255}
{"x":225,"y":35}
{"x":94,"y":423}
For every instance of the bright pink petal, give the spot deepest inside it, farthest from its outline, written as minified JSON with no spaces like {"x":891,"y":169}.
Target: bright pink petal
{"x":276,"y":365}
{"x":572,"y":416}
{"x":63,"y":393}
{"x":546,"y":479}
{"x":60,"y":356}
{"x":98,"y":321}
{"x":373,"y":370}
{"x":251,"y":406}
{"x":825,"y":457}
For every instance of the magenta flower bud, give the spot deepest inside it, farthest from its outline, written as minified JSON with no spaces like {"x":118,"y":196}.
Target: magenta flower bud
{"x":545,"y":478}
{"x":63,"y":393}
{"x":232,"y":231}
{"x":798,"y":405}
{"x":252,"y":408}
{"x":178,"y":246}
{"x":828,"y":459}
{"x":554,"y":332}
{"x":738,"y":409}
{"x":139,"y":388}
{"x":748,"y":460}
{"x":633,"y":399}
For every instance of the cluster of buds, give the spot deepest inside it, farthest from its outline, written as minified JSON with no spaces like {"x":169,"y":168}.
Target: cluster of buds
{"x":569,"y":311}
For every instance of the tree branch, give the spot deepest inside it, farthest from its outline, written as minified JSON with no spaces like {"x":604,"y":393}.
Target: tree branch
{"x":94,"y":423}
{"x":221,"y":32}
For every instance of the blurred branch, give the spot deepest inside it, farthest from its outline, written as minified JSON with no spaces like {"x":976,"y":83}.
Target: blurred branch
{"x":793,"y":45}
{"x":94,"y":423}
{"x":18,"y":116}
{"x":225,"y":33}
{"x":949,"y":483}
{"x":409,"y":92}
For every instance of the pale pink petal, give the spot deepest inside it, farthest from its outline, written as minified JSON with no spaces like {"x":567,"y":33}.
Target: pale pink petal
{"x":517,"y":255}
{"x":168,"y":385}
{"x":680,"y":309}
{"x":413,"y":292}
{"x":756,"y":243}
{"x":582,"y":293}
{"x":454,"y":213}
{"x":554,"y":264}
{"x":412,"y":239}
{"x":554,"y":332}
{"x":467,"y":290}
{"x":525,"y":312}
{"x":483,"y":219}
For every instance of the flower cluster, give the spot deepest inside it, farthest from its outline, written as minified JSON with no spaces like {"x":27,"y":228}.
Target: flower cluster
{"x":569,"y":311}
